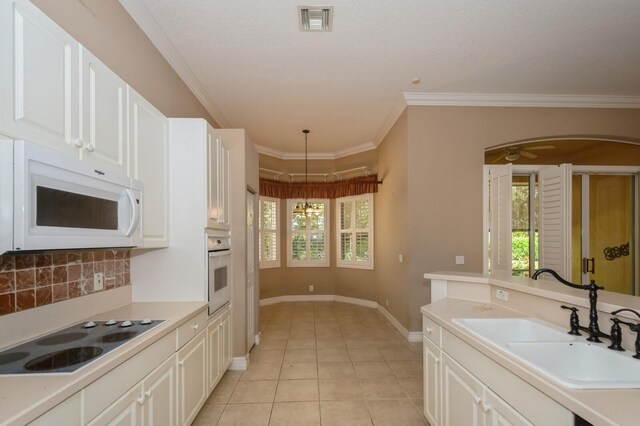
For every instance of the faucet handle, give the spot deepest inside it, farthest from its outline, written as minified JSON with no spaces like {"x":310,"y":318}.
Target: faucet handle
{"x":616,"y":335}
{"x":574,"y":321}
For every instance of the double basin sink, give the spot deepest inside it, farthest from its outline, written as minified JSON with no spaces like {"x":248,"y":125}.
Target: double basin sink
{"x":569,"y":360}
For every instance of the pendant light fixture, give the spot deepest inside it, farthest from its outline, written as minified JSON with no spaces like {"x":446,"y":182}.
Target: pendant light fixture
{"x":306,"y":208}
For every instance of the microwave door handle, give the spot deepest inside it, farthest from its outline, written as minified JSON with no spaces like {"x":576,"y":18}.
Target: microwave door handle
{"x":135,"y":212}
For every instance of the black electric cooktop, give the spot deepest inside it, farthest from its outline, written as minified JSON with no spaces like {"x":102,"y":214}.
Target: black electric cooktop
{"x":65,"y":351}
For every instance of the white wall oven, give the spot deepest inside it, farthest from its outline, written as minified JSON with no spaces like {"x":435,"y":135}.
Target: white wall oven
{"x":50,"y":201}
{"x":219,"y":248}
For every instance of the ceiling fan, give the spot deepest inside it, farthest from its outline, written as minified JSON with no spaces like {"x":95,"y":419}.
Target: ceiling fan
{"x":513,"y":153}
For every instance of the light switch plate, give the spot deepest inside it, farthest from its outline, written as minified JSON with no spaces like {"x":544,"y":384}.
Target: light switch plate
{"x":459,"y":260}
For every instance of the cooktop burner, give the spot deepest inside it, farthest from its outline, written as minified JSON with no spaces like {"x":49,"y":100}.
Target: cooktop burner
{"x":68,"y":350}
{"x":63,"y":358}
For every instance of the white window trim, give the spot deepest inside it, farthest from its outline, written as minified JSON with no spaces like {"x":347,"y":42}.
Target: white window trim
{"x":355,"y":264}
{"x":327,"y":244}
{"x":268,"y":264}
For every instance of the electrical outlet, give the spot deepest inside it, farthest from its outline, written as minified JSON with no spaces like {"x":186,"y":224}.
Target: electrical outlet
{"x":502,"y":295}
{"x":98,"y":281}
{"x":400,"y":258}
{"x":386,"y":302}
{"x":310,"y":288}
{"x":459,"y":260}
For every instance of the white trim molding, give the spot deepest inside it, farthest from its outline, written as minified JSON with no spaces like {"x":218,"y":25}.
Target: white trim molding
{"x":395,"y":113}
{"x":264,"y":150}
{"x":411,"y":336}
{"x":239,"y":363}
{"x":146,"y":21}
{"x":520,"y":100}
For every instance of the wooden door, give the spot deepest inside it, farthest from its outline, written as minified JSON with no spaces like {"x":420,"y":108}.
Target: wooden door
{"x":192,"y":379}
{"x":461,"y":395}
{"x":160,"y":393}
{"x":432,"y":382}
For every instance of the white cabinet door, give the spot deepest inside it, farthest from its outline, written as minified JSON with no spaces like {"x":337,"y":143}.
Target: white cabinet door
{"x":214,"y":342}
{"x":38,"y":78}
{"x":432,"y":378}
{"x":192,"y":379}
{"x":160,"y":393}
{"x":226,"y":340}
{"x":126,"y":411}
{"x":225,"y":183}
{"x":500,"y":413}
{"x":214,"y":199}
{"x":104,"y":115}
{"x":149,"y":162}
{"x":461,"y":395}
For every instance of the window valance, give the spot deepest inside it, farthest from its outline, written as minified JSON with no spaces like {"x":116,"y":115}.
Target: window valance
{"x":356,"y":186}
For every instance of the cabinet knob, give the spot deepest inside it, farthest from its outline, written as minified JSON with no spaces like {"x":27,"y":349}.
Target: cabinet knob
{"x":148,"y":393}
{"x":486,"y":407}
{"x":181,"y":363}
{"x":437,"y":360}
{"x":195,"y":326}
{"x":140,"y":400}
{"x":90,"y":147}
{"x":429,"y":330}
{"x":476,"y":399}
{"x":220,"y":326}
{"x":78,"y":142}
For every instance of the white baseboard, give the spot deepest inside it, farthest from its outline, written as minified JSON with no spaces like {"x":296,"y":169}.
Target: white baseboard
{"x":239,"y":363}
{"x":411,"y":336}
{"x":394,"y":322}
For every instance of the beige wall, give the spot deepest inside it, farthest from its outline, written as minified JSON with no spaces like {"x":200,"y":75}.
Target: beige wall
{"x":391,"y":222}
{"x":107,"y":30}
{"x":445,"y":156}
{"x":348,"y":282}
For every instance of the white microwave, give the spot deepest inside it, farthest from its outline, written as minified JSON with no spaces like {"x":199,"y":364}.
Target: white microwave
{"x":52,"y":201}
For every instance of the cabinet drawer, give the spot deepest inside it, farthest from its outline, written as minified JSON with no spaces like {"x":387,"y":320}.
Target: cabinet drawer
{"x":108,"y":388}
{"x":67,"y":413}
{"x":431,"y":330}
{"x":193,"y":326}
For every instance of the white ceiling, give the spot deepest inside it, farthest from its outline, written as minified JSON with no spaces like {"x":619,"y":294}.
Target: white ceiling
{"x":254,"y":69}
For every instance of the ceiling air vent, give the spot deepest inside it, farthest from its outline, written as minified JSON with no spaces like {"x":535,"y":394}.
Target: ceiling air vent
{"x":315,"y":18}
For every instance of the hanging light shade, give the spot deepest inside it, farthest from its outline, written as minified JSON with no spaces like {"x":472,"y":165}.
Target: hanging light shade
{"x":306,"y":208}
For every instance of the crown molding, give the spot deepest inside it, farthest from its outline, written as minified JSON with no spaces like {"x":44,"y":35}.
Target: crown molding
{"x":520,"y":100}
{"x":396,"y":112}
{"x":315,"y":156}
{"x":145,"y":20}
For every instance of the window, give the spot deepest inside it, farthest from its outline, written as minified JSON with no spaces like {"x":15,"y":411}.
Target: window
{"x":269,"y":247}
{"x":354,"y":231}
{"x":307,"y":237}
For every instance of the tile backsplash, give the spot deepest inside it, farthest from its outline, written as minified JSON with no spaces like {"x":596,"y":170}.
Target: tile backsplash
{"x":37,"y":279}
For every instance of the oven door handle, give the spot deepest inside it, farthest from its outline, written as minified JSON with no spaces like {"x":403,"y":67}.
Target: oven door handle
{"x":135,"y":212}
{"x":219,"y":253}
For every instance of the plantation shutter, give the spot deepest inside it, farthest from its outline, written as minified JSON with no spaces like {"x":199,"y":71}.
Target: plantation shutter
{"x":308,"y":236}
{"x":555,"y":217}
{"x":355,"y":231}
{"x":500,"y":218}
{"x":268,"y":249}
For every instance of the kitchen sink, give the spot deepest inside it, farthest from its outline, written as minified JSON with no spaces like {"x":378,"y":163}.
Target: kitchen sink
{"x":581,"y":365}
{"x":569,"y":360}
{"x":505,"y":330}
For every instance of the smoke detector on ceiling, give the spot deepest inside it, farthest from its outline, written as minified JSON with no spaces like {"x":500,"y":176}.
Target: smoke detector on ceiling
{"x":315,"y":18}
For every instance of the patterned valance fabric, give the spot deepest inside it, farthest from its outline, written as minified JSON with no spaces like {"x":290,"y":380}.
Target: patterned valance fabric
{"x":345,"y":188}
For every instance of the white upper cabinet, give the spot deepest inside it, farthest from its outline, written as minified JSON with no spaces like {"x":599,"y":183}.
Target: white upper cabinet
{"x":149,"y":162}
{"x":103,"y":124}
{"x":214,"y":215}
{"x":38,"y":78}
{"x":218,"y":193}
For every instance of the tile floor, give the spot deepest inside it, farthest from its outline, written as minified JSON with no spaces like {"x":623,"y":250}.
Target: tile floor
{"x":322,"y":363}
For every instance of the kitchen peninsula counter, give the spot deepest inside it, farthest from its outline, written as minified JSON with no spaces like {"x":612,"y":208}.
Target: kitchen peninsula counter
{"x":458,"y":295}
{"x":25,"y":397}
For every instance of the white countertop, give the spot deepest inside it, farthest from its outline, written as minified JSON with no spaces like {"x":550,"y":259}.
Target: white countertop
{"x":23,"y":398}
{"x":600,"y":407}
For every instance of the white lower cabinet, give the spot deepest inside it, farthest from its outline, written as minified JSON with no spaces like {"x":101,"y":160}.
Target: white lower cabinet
{"x":192,"y":379}
{"x":461,"y":395}
{"x":499,"y":413}
{"x":219,"y":347}
{"x":160,"y":395}
{"x":432,"y":379}
{"x":126,"y":411}
{"x":462,"y":386}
